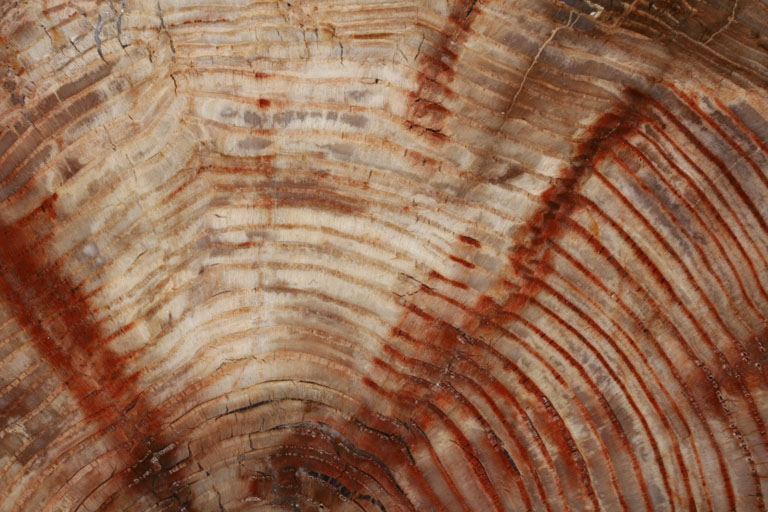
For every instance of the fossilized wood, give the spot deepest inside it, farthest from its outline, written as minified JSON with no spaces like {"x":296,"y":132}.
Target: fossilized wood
{"x":455,"y":256}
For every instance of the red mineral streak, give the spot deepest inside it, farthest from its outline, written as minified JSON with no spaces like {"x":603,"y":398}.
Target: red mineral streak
{"x":703,"y":204}
{"x":461,"y":261}
{"x":732,"y":370}
{"x":647,"y":337}
{"x":417,"y":427}
{"x":707,"y":377}
{"x":606,"y":413}
{"x":469,"y":241}
{"x":59,"y":322}
{"x":528,"y":266}
{"x":446,"y":344}
{"x":457,"y":284}
{"x":548,"y":227}
{"x":445,"y":395}
{"x":436,"y":64}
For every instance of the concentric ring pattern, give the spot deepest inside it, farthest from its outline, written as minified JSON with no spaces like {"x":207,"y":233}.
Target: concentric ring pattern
{"x":383,"y":255}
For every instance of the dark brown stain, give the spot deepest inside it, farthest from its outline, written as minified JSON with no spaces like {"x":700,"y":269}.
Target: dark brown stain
{"x":356,"y":120}
{"x":70,"y":89}
{"x":44,"y":106}
{"x":310,"y":193}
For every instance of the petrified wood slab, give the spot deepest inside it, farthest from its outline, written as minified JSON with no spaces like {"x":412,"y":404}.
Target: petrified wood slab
{"x":409,"y":255}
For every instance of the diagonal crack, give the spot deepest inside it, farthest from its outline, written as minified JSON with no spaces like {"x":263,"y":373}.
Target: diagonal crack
{"x":571,"y":21}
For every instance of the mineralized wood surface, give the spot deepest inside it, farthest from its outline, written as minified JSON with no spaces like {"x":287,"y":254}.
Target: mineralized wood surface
{"x":424,"y":255}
